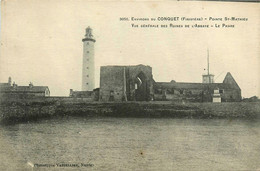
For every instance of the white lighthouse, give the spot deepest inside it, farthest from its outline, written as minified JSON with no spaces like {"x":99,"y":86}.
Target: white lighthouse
{"x":88,"y":68}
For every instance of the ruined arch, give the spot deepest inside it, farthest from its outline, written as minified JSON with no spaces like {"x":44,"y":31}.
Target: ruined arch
{"x":141,"y":87}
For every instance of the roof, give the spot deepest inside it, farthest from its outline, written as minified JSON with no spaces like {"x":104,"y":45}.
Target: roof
{"x":228,"y":83}
{"x":230,"y":80}
{"x":24,"y":89}
{"x":139,"y":65}
{"x":182,"y":85}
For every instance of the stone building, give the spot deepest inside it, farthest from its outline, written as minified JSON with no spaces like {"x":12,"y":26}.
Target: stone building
{"x":8,"y":90}
{"x":198,"y":92}
{"x":90,"y":95}
{"x":126,"y":83}
{"x":136,"y":83}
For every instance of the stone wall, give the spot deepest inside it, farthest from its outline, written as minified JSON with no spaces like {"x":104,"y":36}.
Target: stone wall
{"x":20,"y":111}
{"x":118,"y":82}
{"x":51,"y":99}
{"x":16,"y":94}
{"x":195,"y":92}
{"x":231,"y":95}
{"x":111,"y":83}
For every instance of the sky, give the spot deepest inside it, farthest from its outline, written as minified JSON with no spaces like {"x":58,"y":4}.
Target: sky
{"x":41,"y":42}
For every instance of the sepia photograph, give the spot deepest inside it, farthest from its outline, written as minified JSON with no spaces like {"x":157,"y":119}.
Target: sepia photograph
{"x":129,"y":85}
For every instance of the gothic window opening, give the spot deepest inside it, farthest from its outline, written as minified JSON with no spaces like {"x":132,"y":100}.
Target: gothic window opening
{"x":141,"y":87}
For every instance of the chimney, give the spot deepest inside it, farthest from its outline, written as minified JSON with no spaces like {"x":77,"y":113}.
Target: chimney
{"x":71,"y":91}
{"x":14,"y":85}
{"x":9,"y":81}
{"x":30,"y":85}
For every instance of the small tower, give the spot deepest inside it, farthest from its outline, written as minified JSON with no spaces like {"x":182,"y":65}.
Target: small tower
{"x":208,"y":78}
{"x":9,"y":81}
{"x":88,"y":68}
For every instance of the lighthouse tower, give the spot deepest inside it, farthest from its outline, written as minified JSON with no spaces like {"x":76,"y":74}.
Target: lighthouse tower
{"x":88,"y":68}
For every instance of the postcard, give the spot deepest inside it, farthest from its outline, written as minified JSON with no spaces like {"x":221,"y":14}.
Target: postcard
{"x":129,"y":85}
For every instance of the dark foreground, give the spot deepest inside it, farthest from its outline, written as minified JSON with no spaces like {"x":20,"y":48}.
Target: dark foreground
{"x":35,"y":110}
{"x":106,"y":143}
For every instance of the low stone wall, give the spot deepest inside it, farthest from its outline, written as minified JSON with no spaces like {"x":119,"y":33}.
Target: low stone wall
{"x":30,"y":110}
{"x":58,"y":99}
{"x":17,"y":111}
{"x":230,"y":109}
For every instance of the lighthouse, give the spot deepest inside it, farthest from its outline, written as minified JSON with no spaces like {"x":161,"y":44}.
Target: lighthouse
{"x":88,"y":67}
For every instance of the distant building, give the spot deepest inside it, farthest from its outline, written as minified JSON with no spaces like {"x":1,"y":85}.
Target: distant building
{"x":251,"y":99}
{"x":14,"y":91}
{"x":80,"y":94}
{"x":135,"y":83}
{"x":207,"y":91}
{"x":91,"y":95}
{"x":198,"y":92}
